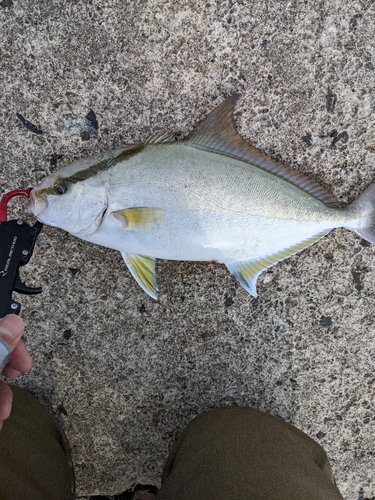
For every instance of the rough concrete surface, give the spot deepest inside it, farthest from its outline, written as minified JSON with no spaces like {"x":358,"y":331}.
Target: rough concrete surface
{"x":124,"y":373}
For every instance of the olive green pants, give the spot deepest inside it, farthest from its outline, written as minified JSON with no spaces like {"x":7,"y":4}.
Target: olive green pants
{"x":238,"y":453}
{"x":230,"y":453}
{"x":35,"y":462}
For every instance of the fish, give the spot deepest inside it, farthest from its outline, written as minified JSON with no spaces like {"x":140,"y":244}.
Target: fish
{"x":209,"y":197}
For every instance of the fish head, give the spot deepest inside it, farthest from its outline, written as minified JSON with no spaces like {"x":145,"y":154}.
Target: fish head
{"x":63,"y":201}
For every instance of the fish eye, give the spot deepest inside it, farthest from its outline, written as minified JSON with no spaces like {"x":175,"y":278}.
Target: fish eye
{"x":60,"y":188}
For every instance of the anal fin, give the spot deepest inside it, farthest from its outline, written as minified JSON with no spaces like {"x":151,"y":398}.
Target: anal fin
{"x":142,"y":268}
{"x":246,"y":272}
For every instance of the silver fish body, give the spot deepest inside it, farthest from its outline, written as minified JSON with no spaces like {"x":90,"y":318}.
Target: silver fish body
{"x":211,"y":197}
{"x":214,"y":208}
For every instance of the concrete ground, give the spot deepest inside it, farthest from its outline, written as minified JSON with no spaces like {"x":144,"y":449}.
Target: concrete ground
{"x":122,"y":372}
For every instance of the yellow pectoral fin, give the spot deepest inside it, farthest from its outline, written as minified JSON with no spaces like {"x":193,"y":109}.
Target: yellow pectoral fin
{"x":247,"y":272}
{"x":139,"y":217}
{"x":142,"y":268}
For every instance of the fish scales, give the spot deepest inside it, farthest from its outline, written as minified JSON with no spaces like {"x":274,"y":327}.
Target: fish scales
{"x":210,"y":197}
{"x":211,"y":179}
{"x":228,"y":203}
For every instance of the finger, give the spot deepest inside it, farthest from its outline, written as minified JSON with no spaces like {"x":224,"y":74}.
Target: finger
{"x":11,"y":330}
{"x":6,"y":397}
{"x":20,"y":360}
{"x":11,"y":373}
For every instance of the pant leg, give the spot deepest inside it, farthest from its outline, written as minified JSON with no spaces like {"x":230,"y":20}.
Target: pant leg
{"x":238,"y":453}
{"x":35,"y":460}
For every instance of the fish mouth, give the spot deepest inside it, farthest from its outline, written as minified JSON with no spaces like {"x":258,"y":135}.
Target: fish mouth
{"x":38,"y":203}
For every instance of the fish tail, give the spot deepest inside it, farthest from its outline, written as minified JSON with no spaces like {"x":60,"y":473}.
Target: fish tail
{"x":364,"y":209}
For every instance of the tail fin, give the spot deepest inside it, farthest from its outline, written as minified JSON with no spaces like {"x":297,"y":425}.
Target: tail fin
{"x":364,"y":208}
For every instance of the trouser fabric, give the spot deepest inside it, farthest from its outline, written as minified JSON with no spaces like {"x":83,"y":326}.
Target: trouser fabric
{"x":239,"y":453}
{"x":229,"y":453}
{"x":35,"y":460}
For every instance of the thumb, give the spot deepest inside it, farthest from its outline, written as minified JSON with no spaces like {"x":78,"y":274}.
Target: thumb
{"x":4,"y":355}
{"x":11,"y":329}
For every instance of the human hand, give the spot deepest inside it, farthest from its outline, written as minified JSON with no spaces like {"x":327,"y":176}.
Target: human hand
{"x":11,"y":330}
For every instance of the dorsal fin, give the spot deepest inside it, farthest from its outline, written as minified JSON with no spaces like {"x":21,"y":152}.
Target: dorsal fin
{"x":160,"y":136}
{"x":217,"y":132}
